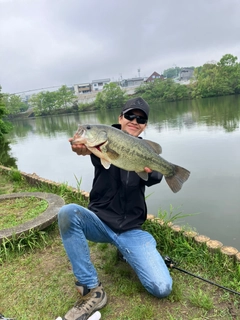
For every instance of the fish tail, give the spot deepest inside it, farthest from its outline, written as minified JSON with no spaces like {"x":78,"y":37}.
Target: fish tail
{"x":176,"y":181}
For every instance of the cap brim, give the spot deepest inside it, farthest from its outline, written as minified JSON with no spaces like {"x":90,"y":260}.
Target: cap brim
{"x":129,"y":109}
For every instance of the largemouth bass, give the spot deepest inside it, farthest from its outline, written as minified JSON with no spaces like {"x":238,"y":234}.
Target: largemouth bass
{"x":130,"y":153}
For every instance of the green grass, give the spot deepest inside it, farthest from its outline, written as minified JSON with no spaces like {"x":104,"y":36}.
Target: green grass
{"x":37,"y":281}
{"x":19,"y":210}
{"x":201,"y":299}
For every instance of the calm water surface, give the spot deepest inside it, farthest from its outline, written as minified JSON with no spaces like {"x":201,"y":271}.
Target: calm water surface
{"x":202,"y":136}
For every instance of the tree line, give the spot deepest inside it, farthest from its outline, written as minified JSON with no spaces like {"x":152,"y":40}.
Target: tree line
{"x":210,"y":80}
{"x":44,"y":103}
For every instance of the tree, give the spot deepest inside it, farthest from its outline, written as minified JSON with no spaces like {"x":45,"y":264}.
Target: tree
{"x":36,"y":101}
{"x":217,"y":79}
{"x":229,"y":74}
{"x":165,"y":90}
{"x":5,"y":126}
{"x":64,"y":97}
{"x":47,"y":102}
{"x":112,"y":96}
{"x":171,"y":72}
{"x":14,"y":104}
{"x":228,"y":60}
{"x":206,"y":81}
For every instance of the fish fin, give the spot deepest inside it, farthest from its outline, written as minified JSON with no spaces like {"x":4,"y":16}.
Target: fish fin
{"x":143,"y":175}
{"x":155,"y":146}
{"x":106,"y":164}
{"x":176,"y":181}
{"x":113,"y":155}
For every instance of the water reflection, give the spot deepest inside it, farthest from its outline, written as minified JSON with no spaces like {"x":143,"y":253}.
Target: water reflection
{"x":221,"y":111}
{"x":224,"y":112}
{"x":5,"y":154}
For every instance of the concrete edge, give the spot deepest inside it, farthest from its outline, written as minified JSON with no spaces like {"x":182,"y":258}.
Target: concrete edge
{"x":212,"y":245}
{"x":45,"y":219}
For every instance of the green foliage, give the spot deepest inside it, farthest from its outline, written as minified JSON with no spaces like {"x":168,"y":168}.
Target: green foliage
{"x":5,"y":126}
{"x":44,"y":102}
{"x":6,"y":159}
{"x":201,"y":299}
{"x":112,"y":96}
{"x":14,"y":104}
{"x":170,"y":216}
{"x":15,"y":175}
{"x":84,"y":106}
{"x":217,"y":79}
{"x":172,"y":72}
{"x":163,"y":90}
{"x":211,"y":79}
{"x":64,"y":97}
{"x":49,"y":102}
{"x":28,"y":241}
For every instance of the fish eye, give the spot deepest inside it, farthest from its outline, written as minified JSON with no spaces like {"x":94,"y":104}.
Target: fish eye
{"x":88,"y":127}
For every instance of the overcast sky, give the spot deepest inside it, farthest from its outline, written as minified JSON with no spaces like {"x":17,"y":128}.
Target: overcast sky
{"x":47,"y":43}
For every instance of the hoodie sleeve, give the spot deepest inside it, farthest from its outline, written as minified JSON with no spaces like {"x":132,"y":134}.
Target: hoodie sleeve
{"x":154,"y":178}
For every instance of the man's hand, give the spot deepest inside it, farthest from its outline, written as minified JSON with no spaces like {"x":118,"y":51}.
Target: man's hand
{"x":80,"y":149}
{"x":148,"y":170}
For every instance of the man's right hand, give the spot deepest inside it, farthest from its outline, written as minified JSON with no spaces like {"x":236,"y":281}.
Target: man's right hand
{"x":80,"y":149}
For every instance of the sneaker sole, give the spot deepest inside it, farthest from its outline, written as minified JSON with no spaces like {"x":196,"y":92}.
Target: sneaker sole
{"x":102,"y":303}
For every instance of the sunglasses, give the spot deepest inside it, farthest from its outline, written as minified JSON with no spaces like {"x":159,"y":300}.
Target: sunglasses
{"x":131,"y":117}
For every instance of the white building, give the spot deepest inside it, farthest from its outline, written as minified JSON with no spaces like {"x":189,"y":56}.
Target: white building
{"x":98,"y":85}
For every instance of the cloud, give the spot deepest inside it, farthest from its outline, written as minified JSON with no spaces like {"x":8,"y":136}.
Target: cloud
{"x":47,"y":43}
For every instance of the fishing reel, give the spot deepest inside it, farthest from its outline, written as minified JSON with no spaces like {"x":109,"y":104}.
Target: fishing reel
{"x":169,"y":262}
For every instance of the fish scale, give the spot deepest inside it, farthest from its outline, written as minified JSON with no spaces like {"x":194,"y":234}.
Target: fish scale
{"x":114,"y":146}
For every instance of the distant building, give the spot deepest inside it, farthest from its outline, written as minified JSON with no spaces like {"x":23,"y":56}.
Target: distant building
{"x":82,"y":88}
{"x":154,"y":76}
{"x":98,"y":85}
{"x":133,"y":82}
{"x":186,"y":74}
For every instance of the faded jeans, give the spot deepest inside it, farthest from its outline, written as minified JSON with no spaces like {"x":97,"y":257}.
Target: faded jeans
{"x":78,"y":224}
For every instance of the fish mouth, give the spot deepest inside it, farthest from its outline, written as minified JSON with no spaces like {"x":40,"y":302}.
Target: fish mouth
{"x":80,"y":137}
{"x":98,"y":147}
{"x":81,"y":132}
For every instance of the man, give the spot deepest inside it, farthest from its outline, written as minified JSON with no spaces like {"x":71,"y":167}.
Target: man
{"x":116,"y":211}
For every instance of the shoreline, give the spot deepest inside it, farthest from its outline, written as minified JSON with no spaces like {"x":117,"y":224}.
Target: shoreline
{"x":212,"y":244}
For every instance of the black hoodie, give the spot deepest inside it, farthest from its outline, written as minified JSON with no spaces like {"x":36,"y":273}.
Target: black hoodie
{"x":118,"y":196}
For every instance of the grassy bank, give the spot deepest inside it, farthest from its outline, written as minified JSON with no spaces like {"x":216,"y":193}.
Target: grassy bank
{"x":37,"y":281}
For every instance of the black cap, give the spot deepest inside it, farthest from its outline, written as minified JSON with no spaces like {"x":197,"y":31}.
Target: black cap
{"x":136,"y":103}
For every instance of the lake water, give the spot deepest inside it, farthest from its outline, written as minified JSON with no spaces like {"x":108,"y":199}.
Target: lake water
{"x":202,"y":136}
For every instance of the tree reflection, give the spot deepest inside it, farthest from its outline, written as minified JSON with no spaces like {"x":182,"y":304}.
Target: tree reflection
{"x":217,"y":112}
{"x":5,"y":154}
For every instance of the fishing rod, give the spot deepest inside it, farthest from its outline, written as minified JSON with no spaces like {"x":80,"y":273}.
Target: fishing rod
{"x":171,"y":264}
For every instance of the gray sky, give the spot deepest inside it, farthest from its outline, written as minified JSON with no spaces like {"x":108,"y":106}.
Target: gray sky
{"x":54,"y":42}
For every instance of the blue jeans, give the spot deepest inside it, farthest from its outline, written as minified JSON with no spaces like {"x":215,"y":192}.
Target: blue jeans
{"x":78,"y":224}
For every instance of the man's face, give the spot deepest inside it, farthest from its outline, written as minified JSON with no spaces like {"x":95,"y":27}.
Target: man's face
{"x":132,"y":127}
